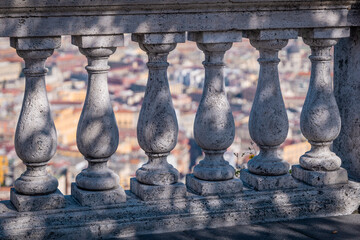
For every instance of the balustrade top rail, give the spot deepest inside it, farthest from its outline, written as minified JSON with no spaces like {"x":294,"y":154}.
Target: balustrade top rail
{"x":29,"y":18}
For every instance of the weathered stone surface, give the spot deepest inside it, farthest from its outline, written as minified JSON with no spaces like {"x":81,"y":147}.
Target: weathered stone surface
{"x":152,"y":192}
{"x":208,"y":188}
{"x":215,"y":37}
{"x":320,"y":158}
{"x":192,"y":212}
{"x":25,"y":203}
{"x":320,"y":118}
{"x":347,"y":94}
{"x":98,"y":198}
{"x":259,"y":182}
{"x":268,"y":122}
{"x":99,"y":41}
{"x":326,"y":33}
{"x":157,"y":127}
{"x":214,"y":167}
{"x":159,"y":38}
{"x":214,"y":127}
{"x":283,"y":34}
{"x":36,"y":43}
{"x":35,"y":136}
{"x":97,"y":177}
{"x":95,"y":17}
{"x":157,"y":171}
{"x":320,"y":178}
{"x":268,"y":163}
{"x":337,"y":227}
{"x":97,"y":135}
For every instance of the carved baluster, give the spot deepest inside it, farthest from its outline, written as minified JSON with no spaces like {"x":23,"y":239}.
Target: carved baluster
{"x":268,"y":123}
{"x":35,"y":136}
{"x":157,"y":128}
{"x":320,"y":118}
{"x":346,"y":90}
{"x":214,"y":128}
{"x":97,"y":133}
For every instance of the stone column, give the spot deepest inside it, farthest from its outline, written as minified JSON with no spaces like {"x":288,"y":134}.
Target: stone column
{"x":157,"y":128}
{"x":347,"y":94}
{"x":268,"y":123}
{"x":35,"y":136}
{"x":320,"y":118}
{"x":97,"y":134}
{"x":214,"y":128}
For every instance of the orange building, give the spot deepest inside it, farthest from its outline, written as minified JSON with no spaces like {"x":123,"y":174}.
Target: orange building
{"x":72,"y":95}
{"x":126,"y":118}
{"x":10,"y":70}
{"x":66,"y":121}
{"x":292,"y":153}
{"x":4,"y":168}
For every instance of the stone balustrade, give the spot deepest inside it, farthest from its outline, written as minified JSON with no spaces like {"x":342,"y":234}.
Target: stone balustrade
{"x":212,"y":196}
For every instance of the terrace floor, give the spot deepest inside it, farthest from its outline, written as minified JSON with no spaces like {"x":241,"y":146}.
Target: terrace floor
{"x":328,"y":228}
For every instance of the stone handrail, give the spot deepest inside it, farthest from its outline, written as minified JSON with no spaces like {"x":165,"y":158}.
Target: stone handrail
{"x":266,"y":191}
{"x":54,"y":18}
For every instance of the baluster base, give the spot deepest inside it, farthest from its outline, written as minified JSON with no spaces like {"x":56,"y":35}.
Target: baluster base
{"x":157,"y":171}
{"x":320,"y":178}
{"x":268,"y":162}
{"x":214,"y":167}
{"x":152,"y":192}
{"x":259,"y":182}
{"x":36,"y":185}
{"x":207,"y":188}
{"x":98,"y":198}
{"x":100,"y":180}
{"x":26,"y":203}
{"x":320,"y":158}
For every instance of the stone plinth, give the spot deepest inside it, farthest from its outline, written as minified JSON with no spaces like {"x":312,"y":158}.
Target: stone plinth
{"x":26,"y":203}
{"x":98,"y":198}
{"x":320,"y":178}
{"x":135,"y":217}
{"x":154,"y":192}
{"x":207,"y":188}
{"x":259,"y":182}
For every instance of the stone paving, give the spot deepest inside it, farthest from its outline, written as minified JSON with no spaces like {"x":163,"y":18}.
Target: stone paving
{"x":341,"y":227}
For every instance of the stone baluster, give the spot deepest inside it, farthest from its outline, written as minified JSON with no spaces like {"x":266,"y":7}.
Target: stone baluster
{"x":35,"y":136}
{"x":214,"y":128}
{"x":320,"y":118}
{"x":97,"y":134}
{"x":157,"y":128}
{"x":347,"y":94}
{"x":268,"y":123}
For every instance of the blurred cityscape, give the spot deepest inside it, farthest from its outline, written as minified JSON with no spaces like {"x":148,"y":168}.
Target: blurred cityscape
{"x":66,"y":87}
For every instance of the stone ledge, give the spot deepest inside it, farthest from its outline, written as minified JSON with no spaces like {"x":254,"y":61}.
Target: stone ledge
{"x":136,"y":217}
{"x":96,"y":17}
